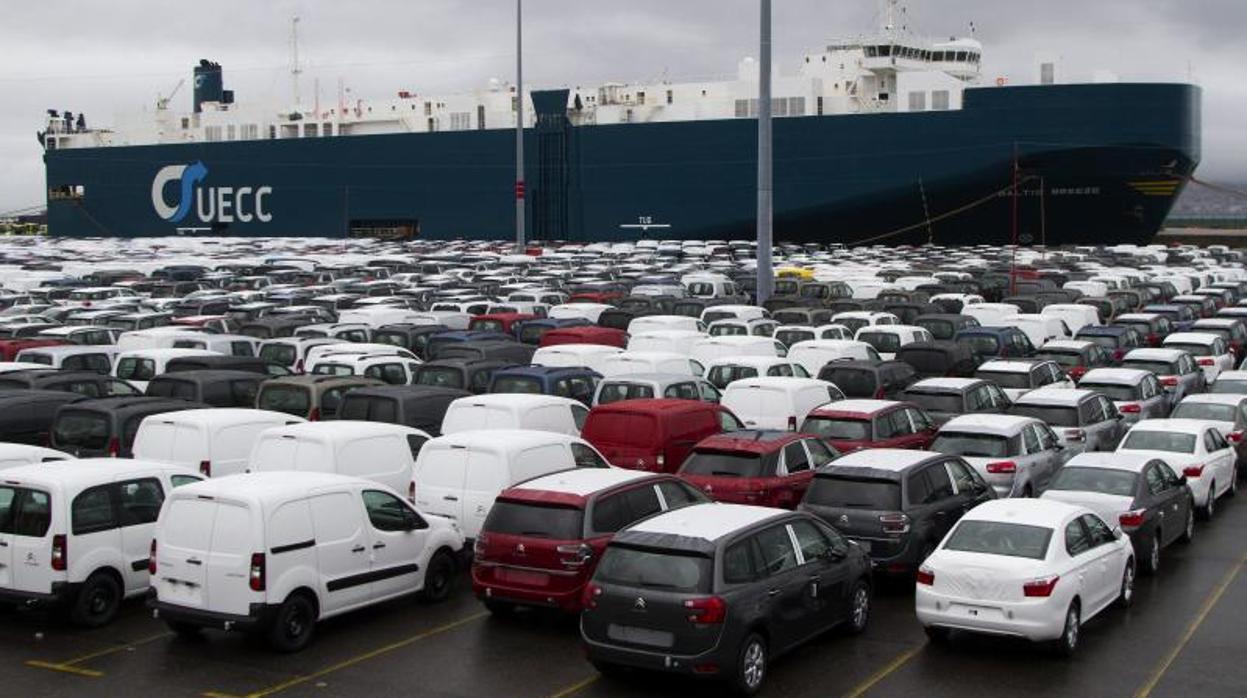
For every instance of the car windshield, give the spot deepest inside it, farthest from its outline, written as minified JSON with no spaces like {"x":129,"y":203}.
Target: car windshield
{"x":1007,"y":379}
{"x":723,"y":464}
{"x":1117,"y":393}
{"x":1205,"y":410}
{"x":487,"y":325}
{"x":1159,"y":368}
{"x":83,"y":429}
{"x":672,"y":570}
{"x":516,"y":384}
{"x":535,"y":520}
{"x":995,"y":538}
{"x":940,"y":329}
{"x":443,"y":376}
{"x":290,"y":399}
{"x":1227,"y":386}
{"x":1173,"y":442}
{"x":935,"y":402}
{"x":972,"y":445}
{"x":283,"y":354}
{"x":852,"y":382}
{"x":841,"y":491}
{"x":616,"y":392}
{"x":1055,"y":416}
{"x":837,"y":428}
{"x":1102,"y":480}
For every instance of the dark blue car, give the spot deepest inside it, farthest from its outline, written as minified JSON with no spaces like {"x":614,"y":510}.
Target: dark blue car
{"x":575,"y":383}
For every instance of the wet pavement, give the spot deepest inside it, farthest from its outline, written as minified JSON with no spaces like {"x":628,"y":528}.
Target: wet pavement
{"x":1186,"y":635}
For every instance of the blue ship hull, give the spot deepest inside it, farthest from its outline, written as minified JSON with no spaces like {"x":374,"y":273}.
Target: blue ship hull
{"x":1095,"y":164}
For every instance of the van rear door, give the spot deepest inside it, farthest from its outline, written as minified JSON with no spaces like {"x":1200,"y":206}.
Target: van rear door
{"x":228,"y":564}
{"x":439,"y":481}
{"x":184,"y":541}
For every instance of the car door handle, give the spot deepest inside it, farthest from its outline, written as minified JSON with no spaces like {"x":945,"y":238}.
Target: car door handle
{"x":358,"y":549}
{"x":4,"y":544}
{"x":193,"y":561}
{"x":450,"y":498}
{"x":378,"y":546}
{"x":772,"y":592}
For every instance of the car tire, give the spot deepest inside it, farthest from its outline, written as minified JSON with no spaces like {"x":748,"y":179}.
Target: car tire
{"x":438,"y":578}
{"x":1152,"y":562}
{"x":1209,"y":509}
{"x":294,"y":624}
{"x":1125,"y":594}
{"x":859,"y":609}
{"x":183,"y":629}
{"x":1188,"y":530}
{"x":1067,"y":644}
{"x":751,"y":666}
{"x":97,"y":602}
{"x":937,"y":635}
{"x":499,"y":608}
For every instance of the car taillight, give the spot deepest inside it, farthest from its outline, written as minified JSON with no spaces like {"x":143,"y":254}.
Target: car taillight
{"x":205,"y":468}
{"x":151,"y":558}
{"x":256,"y":576}
{"x":926,"y":576}
{"x":114,"y":447}
{"x":479,"y":546}
{"x":60,"y":553}
{"x":792,"y":423}
{"x":707,"y":611}
{"x":1077,"y":372}
{"x":1040,"y":588}
{"x":1003,"y":467}
{"x":1132,"y":519}
{"x":1119,"y":354}
{"x":1235,"y":437}
{"x":1169,"y":381}
{"x":574,"y":555}
{"x":1193,"y":471}
{"x":589,"y":597}
{"x":1153,"y":340}
{"x":881,"y":394}
{"x":1130,"y":408}
{"x":1075,"y":435}
{"x":1207,"y":361}
{"x":894,"y":523}
{"x":315,"y":415}
{"x":661,"y":461}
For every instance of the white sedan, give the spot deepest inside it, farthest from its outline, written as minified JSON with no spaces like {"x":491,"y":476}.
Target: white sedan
{"x":1193,"y":447}
{"x":1210,"y":351}
{"x":1030,"y":568}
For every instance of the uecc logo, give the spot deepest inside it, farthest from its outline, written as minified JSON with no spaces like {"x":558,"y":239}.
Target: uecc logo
{"x":209,"y":204}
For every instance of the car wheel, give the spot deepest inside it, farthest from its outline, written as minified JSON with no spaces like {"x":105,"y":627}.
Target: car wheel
{"x":1188,"y":531}
{"x":438,"y":578}
{"x":750,"y":666}
{"x":1152,"y":562}
{"x":859,"y":609}
{"x":294,"y":624}
{"x":183,"y":629}
{"x":97,"y":601}
{"x":1210,"y":507}
{"x":1125,"y":596}
{"x":1068,"y":642}
{"x":937,"y":635}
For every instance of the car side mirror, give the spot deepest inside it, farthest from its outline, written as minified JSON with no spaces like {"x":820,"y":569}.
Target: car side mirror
{"x":835,"y":554}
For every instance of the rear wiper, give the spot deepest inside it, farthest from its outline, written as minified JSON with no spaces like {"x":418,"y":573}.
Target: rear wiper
{"x":725,"y":473}
{"x":535,"y":534}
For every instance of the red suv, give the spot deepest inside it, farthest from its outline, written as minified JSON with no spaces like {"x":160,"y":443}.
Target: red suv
{"x":853,"y":425}
{"x":654,"y":435}
{"x":543,"y":538}
{"x":767,"y":468}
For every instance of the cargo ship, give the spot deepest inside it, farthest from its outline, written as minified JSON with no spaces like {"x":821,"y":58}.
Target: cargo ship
{"x":886,"y":138}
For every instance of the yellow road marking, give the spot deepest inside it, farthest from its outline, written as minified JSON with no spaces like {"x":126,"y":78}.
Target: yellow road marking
{"x":69,"y":666}
{"x":297,"y":680}
{"x":883,"y":673}
{"x":576,"y":687}
{"x":1204,"y":610}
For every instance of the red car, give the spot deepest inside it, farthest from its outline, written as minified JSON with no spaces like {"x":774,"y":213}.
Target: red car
{"x":590,"y":334}
{"x":10,"y":348}
{"x":655,"y":435}
{"x":766,"y":468}
{"x":542,"y":539}
{"x":853,"y":425}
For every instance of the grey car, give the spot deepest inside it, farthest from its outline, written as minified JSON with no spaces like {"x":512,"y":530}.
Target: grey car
{"x":1136,"y":393}
{"x":945,"y":398}
{"x":1017,"y":456}
{"x":1083,"y":420}
{"x":716,"y":590}
{"x":643,"y":386}
{"x":1176,"y":370}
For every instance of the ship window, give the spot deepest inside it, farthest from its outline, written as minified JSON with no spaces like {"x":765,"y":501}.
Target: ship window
{"x":272,"y":131}
{"x":820,"y":106}
{"x":311,"y":130}
{"x":870,"y":52}
{"x":939,"y":100}
{"x":670,"y":97}
{"x":950,"y":56}
{"x":428,"y":108}
{"x":640,"y":98}
{"x":432,"y":125}
{"x":186,"y":122}
{"x":961,"y":56}
{"x":326,"y":130}
{"x":883,"y":96}
{"x":231,"y":133}
{"x":480,"y":116}
{"x":917,"y":101}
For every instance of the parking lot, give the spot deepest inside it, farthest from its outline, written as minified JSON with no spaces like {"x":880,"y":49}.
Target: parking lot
{"x":1182,"y":637}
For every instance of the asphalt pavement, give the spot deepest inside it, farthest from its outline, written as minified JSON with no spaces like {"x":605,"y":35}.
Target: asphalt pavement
{"x":1186,"y":635}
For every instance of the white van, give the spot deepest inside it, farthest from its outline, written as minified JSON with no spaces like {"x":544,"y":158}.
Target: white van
{"x":383,"y":453}
{"x":322,"y":351}
{"x":706,"y":350}
{"x":79,"y":532}
{"x":587,"y":311}
{"x":376,"y":317}
{"x":814,"y":354}
{"x":228,"y":344}
{"x":273,"y":553}
{"x":590,"y":356}
{"x":291,"y":352}
{"x":675,"y":341}
{"x":777,"y":403}
{"x":991,"y":314}
{"x":459,"y":475}
{"x":1076,"y":316}
{"x":888,"y":339}
{"x":153,"y":338}
{"x":141,"y":365}
{"x":1039,"y":329}
{"x":215,"y":441}
{"x":515,"y":411}
{"x":649,"y":362}
{"x":72,"y":357}
{"x":14,"y":455}
{"x":653,"y":323}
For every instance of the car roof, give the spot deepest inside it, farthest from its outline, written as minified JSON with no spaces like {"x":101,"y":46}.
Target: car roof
{"x":1066,"y":344}
{"x":1148,"y":354}
{"x":1215,"y":398}
{"x":1000,"y":424}
{"x":1183,"y":426}
{"x":750,"y":440}
{"x":1118,"y":376}
{"x":1052,"y":395}
{"x":86,"y":471}
{"x":1010,"y":366}
{"x":890,"y":459}
{"x":225,"y":415}
{"x":1047,"y":513}
{"x":708,"y":522}
{"x":581,"y":482}
{"x":265,"y":486}
{"x":1122,"y":460}
{"x":946,"y":384}
{"x":495,"y":440}
{"x":1192,"y":338}
{"x":857,"y":407}
{"x":516,"y":400}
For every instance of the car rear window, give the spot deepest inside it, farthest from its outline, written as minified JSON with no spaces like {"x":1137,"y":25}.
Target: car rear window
{"x":132,"y":368}
{"x":516,"y":384}
{"x":1205,"y":410}
{"x":396,"y":339}
{"x":723,"y":464}
{"x":854,"y":493}
{"x":1118,"y":393}
{"x":838,"y":429}
{"x":926,"y":361}
{"x":791,"y":337}
{"x":443,"y":376}
{"x":1160,"y":368}
{"x":182,"y":390}
{"x":935,"y":402}
{"x":616,"y":392}
{"x":655,"y":569}
{"x":881,"y":341}
{"x":1054,"y":416}
{"x":83,"y":429}
{"x":1227,"y":386}
{"x":940,"y":329}
{"x":1106,"y":341}
{"x":994,"y":538}
{"x":535,"y":520}
{"x":532,"y":333}
{"x":972,"y":445}
{"x":980,"y":343}
{"x":282,"y":354}
{"x":721,"y":376}
{"x":25,"y":512}
{"x":1192,"y":349}
{"x":1170,"y":441}
{"x":290,"y":399}
{"x":333,"y":370}
{"x":1007,"y":379}
{"x":487,"y":325}
{"x":1066,"y":359}
{"x":853,"y":382}
{"x":1102,"y":480}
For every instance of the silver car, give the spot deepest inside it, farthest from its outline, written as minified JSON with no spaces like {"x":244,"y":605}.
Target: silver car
{"x":1136,"y":393}
{"x":1084,"y":420}
{"x":1017,"y":456}
{"x":1176,"y":370}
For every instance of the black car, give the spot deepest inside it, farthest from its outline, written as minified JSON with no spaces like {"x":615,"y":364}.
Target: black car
{"x":213,"y":387}
{"x":107,"y":426}
{"x":498,"y":350}
{"x":945,"y":398}
{"x":897,"y":504}
{"x":715,"y":591}
{"x":85,"y":383}
{"x":881,"y":380}
{"x":223,"y":362}
{"x":945,"y":326}
{"x":27,"y":416}
{"x":414,"y":338}
{"x":418,"y":406}
{"x":939,"y":358}
{"x":462,"y":374}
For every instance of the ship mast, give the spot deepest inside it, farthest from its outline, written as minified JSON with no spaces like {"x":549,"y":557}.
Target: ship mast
{"x":295,"y":68}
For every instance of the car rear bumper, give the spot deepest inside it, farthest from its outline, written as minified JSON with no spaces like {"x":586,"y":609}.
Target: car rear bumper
{"x":567,"y":600}
{"x":259,"y":616}
{"x":713,"y":663}
{"x":1031,"y":620}
{"x":60,"y":594}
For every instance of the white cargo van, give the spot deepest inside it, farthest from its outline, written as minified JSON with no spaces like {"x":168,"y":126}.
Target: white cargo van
{"x":515,"y":411}
{"x":649,"y":362}
{"x":384,"y":453}
{"x":674,"y":341}
{"x":215,"y":441}
{"x":459,"y":475}
{"x":658,"y":323}
{"x":78,"y":532}
{"x":274,"y":553}
{"x":814,"y":354}
{"x":777,"y":403}
{"x":140,"y":366}
{"x":574,"y":355}
{"x":13,"y":455}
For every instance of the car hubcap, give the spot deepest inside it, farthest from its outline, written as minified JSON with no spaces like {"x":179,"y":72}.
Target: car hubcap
{"x":100,"y":601}
{"x":861,"y":608}
{"x":295,"y":624}
{"x":1190,"y":524}
{"x":755,"y":664}
{"x":1127,"y":583}
{"x":1155,"y":554}
{"x":1212,"y":498}
{"x":1071,"y":629}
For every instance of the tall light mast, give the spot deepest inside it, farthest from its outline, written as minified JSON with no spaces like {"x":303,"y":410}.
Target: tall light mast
{"x":519,"y":126}
{"x":295,"y":68}
{"x":766,"y":270}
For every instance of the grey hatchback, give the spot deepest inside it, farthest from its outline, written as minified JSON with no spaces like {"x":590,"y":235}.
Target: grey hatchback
{"x":717,"y":590}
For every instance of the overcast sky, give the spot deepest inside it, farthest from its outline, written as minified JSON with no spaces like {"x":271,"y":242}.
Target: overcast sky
{"x":103,"y":57}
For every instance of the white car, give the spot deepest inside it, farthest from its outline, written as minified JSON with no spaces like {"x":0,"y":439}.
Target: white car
{"x":1195,"y":448}
{"x":888,"y":339}
{"x":1211,"y":352}
{"x":1035,"y":569}
{"x":274,"y":553}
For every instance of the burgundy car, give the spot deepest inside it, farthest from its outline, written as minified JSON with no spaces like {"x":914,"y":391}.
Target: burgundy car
{"x":853,"y":425}
{"x":766,"y":468}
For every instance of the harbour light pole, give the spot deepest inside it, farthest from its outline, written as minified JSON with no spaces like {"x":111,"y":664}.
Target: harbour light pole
{"x":766,"y":270}
{"x":519,"y":126}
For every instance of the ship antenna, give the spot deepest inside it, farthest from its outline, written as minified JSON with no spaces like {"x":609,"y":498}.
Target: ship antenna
{"x":295,"y":68}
